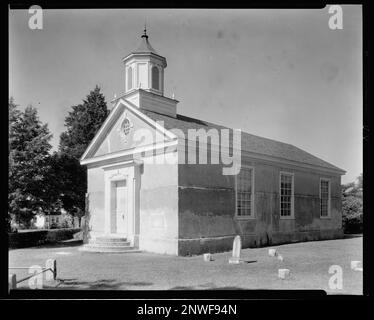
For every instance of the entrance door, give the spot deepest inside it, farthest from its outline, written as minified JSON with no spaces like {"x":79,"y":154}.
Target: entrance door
{"x":120,"y":206}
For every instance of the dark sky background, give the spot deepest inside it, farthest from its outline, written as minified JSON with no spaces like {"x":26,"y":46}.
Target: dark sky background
{"x":281,"y":74}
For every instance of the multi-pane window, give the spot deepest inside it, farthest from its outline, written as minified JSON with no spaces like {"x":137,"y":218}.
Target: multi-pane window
{"x":325,"y":197}
{"x":286,"y":195}
{"x":244,"y":192}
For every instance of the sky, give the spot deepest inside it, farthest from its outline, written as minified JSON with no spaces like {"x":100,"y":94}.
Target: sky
{"x":280,"y":74}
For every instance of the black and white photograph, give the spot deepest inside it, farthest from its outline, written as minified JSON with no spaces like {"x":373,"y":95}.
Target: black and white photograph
{"x":184,"y":150}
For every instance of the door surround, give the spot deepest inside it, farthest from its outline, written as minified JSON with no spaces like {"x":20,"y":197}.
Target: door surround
{"x":115,"y":228}
{"x":128,"y":171}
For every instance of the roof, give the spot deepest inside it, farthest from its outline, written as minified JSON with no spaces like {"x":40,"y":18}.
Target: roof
{"x":250,"y":142}
{"x":145,"y":46}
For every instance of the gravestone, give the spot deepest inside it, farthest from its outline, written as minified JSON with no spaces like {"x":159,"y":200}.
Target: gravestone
{"x":280,"y":257}
{"x":236,"y":248}
{"x":283,"y":273}
{"x":207,"y":257}
{"x":272,"y":252}
{"x":356,"y":265}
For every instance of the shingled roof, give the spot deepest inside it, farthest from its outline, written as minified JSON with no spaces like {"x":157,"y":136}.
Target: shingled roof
{"x":145,"y":47}
{"x":250,"y":142}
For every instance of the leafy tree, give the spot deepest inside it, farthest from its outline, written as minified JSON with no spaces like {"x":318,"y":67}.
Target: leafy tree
{"x":13,"y":117}
{"x":28,"y":163}
{"x":82,"y":123}
{"x":360,"y":182}
{"x":352,"y":204}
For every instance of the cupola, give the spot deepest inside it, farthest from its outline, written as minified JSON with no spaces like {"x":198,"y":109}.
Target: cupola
{"x":144,"y":79}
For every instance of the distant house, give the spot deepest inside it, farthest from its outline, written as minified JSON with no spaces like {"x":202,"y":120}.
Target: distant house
{"x":55,"y":221}
{"x":280,"y":194}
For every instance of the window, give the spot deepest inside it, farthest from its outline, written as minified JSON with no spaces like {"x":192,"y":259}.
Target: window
{"x":325,"y":197}
{"x":286,"y":195}
{"x":126,"y":127}
{"x":244,"y":193}
{"x":129,"y":78}
{"x":155,"y":78}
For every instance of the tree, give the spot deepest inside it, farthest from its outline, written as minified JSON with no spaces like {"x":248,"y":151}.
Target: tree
{"x":13,"y":118}
{"x":352,"y":205}
{"x":82,"y":123}
{"x":28,"y":163}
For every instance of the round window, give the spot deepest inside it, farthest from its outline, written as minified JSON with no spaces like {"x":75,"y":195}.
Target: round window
{"x":126,"y":126}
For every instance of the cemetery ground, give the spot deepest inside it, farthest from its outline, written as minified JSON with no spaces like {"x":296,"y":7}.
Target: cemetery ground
{"x":309,"y":263}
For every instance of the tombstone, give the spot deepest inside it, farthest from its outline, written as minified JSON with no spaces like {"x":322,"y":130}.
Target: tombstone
{"x":207,"y":257}
{"x":356,"y":265}
{"x":236,"y":248}
{"x":280,"y":257}
{"x":283,"y":273}
{"x":272,"y":252}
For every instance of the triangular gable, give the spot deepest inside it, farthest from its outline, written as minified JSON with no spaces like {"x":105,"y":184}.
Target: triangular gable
{"x":122,"y":129}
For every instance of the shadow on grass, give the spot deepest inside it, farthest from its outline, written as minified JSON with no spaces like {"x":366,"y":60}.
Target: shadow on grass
{"x":205,"y":286}
{"x":353,"y":235}
{"x":102,"y":284}
{"x":249,"y":261}
{"x":201,"y":287}
{"x":60,"y":244}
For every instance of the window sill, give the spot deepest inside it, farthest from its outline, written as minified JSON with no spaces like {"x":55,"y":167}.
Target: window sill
{"x":325,"y":217}
{"x":245,"y":217}
{"x":286,"y":218}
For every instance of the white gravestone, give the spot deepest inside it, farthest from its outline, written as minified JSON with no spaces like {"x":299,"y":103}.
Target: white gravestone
{"x":236,"y":248}
{"x":283,"y":273}
{"x":207,"y":257}
{"x":356,"y":265}
{"x":280,"y":257}
{"x":272,"y":252}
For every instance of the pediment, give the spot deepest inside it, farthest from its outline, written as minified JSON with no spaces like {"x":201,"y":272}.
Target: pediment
{"x":126,"y":128}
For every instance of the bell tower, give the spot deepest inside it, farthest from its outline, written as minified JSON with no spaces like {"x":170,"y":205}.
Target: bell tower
{"x":144,"y":68}
{"x":144,"y":79}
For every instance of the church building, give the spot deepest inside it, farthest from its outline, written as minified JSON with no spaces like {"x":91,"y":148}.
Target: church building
{"x":146,"y":192}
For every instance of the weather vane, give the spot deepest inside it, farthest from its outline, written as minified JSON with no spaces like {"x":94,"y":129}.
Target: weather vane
{"x":145,"y":30}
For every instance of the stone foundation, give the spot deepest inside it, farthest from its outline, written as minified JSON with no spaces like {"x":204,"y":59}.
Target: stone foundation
{"x":198,"y":246}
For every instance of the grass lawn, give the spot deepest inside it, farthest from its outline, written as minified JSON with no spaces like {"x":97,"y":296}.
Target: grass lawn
{"x":309,"y":263}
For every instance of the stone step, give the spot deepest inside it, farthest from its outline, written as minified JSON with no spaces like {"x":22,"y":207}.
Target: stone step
{"x":108,"y":249}
{"x":109,"y":244}
{"x":110,"y":239}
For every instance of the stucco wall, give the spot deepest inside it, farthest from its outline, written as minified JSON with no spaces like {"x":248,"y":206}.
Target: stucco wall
{"x":207,"y":208}
{"x":159,"y":208}
{"x":95,"y":189}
